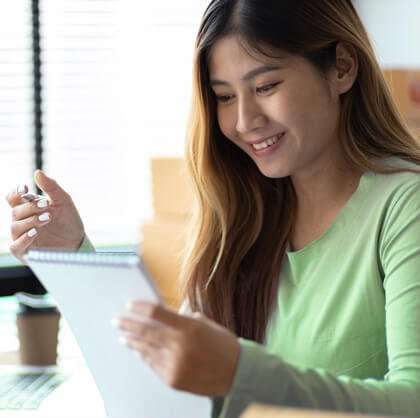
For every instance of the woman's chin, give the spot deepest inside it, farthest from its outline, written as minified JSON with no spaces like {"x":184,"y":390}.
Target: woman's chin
{"x":273,"y":171}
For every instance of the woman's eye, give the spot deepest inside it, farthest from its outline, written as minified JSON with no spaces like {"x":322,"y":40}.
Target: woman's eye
{"x":223,"y":99}
{"x":267,"y":88}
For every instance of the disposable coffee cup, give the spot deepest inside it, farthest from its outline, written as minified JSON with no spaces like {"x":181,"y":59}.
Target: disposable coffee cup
{"x":38,"y":327}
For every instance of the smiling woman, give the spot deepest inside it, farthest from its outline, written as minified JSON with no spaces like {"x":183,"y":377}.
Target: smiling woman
{"x":300,"y":160}
{"x":294,"y":107}
{"x":338,"y":120}
{"x":303,"y":260}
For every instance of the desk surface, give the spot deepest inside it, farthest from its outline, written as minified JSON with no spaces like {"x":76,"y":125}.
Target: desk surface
{"x":78,"y":397}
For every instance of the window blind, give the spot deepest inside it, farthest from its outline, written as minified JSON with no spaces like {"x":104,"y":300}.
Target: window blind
{"x":16,"y":108}
{"x":116,"y":92}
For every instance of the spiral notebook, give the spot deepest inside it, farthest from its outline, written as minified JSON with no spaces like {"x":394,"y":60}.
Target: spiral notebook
{"x":90,"y":289}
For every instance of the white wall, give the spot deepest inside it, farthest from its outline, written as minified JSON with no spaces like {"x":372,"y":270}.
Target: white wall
{"x":394,"y":27}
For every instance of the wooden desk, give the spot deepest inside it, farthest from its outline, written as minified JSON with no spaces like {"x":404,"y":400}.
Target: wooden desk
{"x":260,"y":411}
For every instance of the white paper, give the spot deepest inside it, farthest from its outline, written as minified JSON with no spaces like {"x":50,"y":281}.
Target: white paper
{"x":89,"y":296}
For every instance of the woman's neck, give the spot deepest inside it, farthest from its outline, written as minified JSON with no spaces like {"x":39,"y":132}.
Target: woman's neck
{"x":320,"y":200}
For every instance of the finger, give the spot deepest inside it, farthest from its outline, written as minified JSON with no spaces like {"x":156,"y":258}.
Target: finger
{"x":152,"y":333}
{"x":161,"y":360}
{"x":153,"y":355}
{"x":20,"y":246}
{"x":157,"y":313}
{"x":19,"y":228}
{"x":131,"y":341}
{"x":49,"y":186}
{"x":26,"y":210}
{"x":148,"y":353}
{"x":14,"y":196}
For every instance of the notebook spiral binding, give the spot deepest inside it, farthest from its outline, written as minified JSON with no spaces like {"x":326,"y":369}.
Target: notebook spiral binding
{"x":92,"y":258}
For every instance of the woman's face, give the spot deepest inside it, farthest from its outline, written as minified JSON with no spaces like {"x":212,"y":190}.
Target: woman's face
{"x":283,"y":112}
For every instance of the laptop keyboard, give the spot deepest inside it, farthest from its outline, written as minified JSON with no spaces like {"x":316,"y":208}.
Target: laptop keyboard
{"x":27,"y":390}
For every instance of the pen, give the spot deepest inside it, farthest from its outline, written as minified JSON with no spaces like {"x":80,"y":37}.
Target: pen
{"x":30,"y":197}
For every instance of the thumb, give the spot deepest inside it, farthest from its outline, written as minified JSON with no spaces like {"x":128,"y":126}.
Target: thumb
{"x":48,"y":185}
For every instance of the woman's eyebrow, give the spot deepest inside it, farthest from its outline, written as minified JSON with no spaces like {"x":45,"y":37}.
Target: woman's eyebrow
{"x":250,"y":75}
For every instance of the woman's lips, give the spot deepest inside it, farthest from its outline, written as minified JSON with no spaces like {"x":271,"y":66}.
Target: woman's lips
{"x":264,"y":152}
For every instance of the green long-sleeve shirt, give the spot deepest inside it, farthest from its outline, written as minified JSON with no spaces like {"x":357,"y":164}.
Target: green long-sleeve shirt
{"x":346,"y":333}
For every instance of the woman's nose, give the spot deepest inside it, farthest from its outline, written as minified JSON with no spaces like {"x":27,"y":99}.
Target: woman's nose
{"x":249,"y":117}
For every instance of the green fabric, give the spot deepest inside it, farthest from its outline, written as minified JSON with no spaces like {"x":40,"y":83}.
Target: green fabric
{"x":346,"y":332}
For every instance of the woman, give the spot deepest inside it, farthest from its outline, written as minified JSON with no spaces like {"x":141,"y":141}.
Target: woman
{"x":304,"y":256}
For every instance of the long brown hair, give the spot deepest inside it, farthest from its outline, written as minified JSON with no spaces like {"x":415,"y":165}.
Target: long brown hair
{"x":243,"y":219}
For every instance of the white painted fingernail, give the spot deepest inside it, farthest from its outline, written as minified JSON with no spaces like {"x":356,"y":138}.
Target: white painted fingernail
{"x":32,"y":232}
{"x":43,"y":203}
{"x":122,"y":340}
{"x":115,"y":322}
{"x":21,"y":189}
{"x":44,"y":217}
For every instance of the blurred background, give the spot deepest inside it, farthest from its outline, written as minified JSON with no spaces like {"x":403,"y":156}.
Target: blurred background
{"x":92,"y":90}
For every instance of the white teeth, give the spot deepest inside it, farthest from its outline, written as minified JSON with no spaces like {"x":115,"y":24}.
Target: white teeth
{"x":267,"y":143}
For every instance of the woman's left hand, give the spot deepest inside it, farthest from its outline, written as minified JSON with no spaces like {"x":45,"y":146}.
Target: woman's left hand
{"x":190,"y":353}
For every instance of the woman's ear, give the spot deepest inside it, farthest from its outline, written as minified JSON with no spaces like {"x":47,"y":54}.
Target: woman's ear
{"x":343,"y":75}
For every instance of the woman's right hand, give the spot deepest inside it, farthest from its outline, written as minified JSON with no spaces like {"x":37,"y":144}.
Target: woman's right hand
{"x":62,"y":230}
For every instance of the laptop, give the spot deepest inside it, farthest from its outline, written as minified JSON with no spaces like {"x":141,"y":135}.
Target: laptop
{"x":50,"y":392}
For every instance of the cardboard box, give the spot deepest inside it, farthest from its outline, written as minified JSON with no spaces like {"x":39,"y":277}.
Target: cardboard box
{"x":171,"y":187}
{"x":164,"y":236}
{"x":259,"y":411}
{"x":163,"y":243}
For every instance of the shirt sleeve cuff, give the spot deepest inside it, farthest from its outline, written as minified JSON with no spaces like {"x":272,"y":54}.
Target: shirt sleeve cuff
{"x":248,"y":384}
{"x":86,"y":246}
